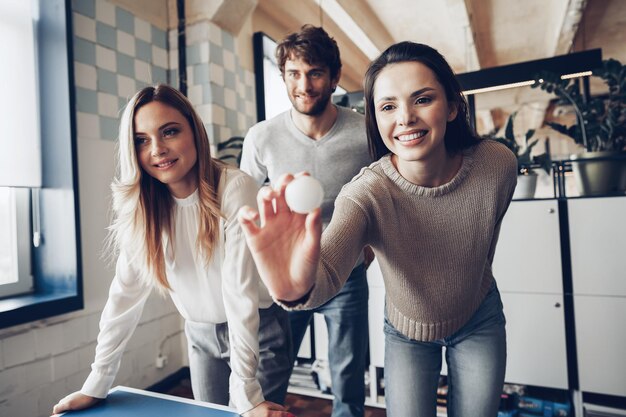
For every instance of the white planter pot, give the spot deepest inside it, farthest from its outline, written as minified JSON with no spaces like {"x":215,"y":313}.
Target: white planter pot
{"x":526,"y":186}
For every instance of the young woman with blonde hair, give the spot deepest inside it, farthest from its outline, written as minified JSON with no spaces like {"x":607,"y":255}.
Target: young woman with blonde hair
{"x":175,"y":229}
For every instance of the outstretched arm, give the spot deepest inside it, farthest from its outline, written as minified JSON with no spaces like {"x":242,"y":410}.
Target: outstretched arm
{"x":286,"y":245}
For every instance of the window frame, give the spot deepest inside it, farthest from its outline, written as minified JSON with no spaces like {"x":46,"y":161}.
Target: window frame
{"x":56,"y":262}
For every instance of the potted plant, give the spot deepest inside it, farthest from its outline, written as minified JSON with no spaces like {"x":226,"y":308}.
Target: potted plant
{"x":600,"y":128}
{"x":526,"y":175}
{"x":229,"y":151}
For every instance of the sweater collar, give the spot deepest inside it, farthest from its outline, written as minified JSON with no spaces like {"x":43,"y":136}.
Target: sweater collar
{"x":390,"y":170}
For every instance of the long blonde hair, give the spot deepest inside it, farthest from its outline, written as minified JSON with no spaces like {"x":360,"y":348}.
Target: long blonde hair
{"x":143,"y":206}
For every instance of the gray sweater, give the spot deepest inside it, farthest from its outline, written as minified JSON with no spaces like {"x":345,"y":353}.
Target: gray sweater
{"x":276,"y":146}
{"x":435,"y":245}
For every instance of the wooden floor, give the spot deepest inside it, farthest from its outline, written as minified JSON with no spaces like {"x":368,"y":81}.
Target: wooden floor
{"x":299,"y":405}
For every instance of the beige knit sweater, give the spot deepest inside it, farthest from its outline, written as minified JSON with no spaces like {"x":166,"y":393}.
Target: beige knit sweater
{"x":435,"y":245}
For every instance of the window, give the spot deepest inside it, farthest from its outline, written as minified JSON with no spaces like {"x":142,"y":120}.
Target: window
{"x":20,"y":166}
{"x":38,"y":164}
{"x":15,"y":254}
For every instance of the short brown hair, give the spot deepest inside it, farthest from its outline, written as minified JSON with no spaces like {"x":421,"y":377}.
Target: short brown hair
{"x":313,"y":45}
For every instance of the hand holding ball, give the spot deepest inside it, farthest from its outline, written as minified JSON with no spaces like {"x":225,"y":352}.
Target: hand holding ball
{"x":304,"y":194}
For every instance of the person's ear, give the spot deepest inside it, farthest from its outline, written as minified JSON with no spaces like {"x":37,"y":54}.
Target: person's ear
{"x":453,"y":110}
{"x":335,"y":81}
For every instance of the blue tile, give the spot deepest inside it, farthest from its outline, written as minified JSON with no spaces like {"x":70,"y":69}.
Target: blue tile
{"x":86,"y":100}
{"x":200,"y":74}
{"x":107,"y":81}
{"x":122,"y":103}
{"x":217,"y":93}
{"x":241,"y":104}
{"x":208,"y":127}
{"x":84,"y":51}
{"x":214,"y":135}
{"x":229,"y":80}
{"x":159,"y":37}
{"x":109,"y":128}
{"x":231,"y":119}
{"x":159,"y":75}
{"x":173,"y":77}
{"x":105,"y":35}
{"x":207,"y":93}
{"x":124,"y":21}
{"x":85,"y":7}
{"x":125,"y":65}
{"x":143,"y":50}
{"x":193,"y":54}
{"x":228,"y":41}
{"x":216,"y":55}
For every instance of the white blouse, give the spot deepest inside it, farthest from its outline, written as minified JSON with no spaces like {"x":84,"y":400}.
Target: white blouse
{"x":227,"y":289}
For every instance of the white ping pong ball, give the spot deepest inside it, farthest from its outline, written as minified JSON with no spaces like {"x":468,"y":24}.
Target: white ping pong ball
{"x":304,"y":194}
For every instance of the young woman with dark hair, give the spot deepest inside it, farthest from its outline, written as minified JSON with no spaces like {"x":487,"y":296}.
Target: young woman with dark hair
{"x":431,"y":208}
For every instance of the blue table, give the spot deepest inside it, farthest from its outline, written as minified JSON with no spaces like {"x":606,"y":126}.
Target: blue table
{"x":131,"y":402}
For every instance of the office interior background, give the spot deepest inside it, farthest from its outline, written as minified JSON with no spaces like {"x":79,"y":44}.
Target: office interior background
{"x":74,"y":64}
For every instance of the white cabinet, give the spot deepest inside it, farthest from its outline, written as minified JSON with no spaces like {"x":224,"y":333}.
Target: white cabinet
{"x":598,"y":245}
{"x":601,"y":344}
{"x":528,"y":254}
{"x":527,"y":268}
{"x":376,"y":314}
{"x":598,"y":248}
{"x":536,"y":352}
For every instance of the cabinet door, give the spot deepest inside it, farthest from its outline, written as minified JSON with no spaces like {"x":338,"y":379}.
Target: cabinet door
{"x":601,"y":344}
{"x":528,"y":255}
{"x":321,"y":336}
{"x":376,"y":311}
{"x":535,"y":340}
{"x":598,"y":245}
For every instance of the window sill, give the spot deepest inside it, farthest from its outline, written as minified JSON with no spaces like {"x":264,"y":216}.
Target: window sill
{"x":31,"y":307}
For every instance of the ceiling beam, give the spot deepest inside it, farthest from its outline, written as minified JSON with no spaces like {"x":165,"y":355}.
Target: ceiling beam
{"x":572,"y":16}
{"x":363,"y":16}
{"x":461,"y":11}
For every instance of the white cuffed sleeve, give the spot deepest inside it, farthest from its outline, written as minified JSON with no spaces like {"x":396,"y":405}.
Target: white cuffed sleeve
{"x":240,"y":289}
{"x":127,"y":297}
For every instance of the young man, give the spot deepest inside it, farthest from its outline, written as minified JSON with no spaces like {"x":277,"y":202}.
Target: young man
{"x":330,"y":143}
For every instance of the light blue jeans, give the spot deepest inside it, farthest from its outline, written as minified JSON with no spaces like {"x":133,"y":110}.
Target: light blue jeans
{"x":209,"y":357}
{"x":476,"y":359}
{"x":346,"y":320}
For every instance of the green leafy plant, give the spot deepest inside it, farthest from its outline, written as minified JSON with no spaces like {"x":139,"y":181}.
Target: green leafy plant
{"x":525,"y":161}
{"x":601,"y":121}
{"x":230,"y":150}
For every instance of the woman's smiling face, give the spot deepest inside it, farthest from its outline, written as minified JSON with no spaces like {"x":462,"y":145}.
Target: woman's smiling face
{"x":166,"y":148}
{"x":412,"y":112}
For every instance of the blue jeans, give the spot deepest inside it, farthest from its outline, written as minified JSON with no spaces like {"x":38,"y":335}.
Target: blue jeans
{"x":346,"y":319}
{"x":476,"y":359}
{"x":209,"y":357}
